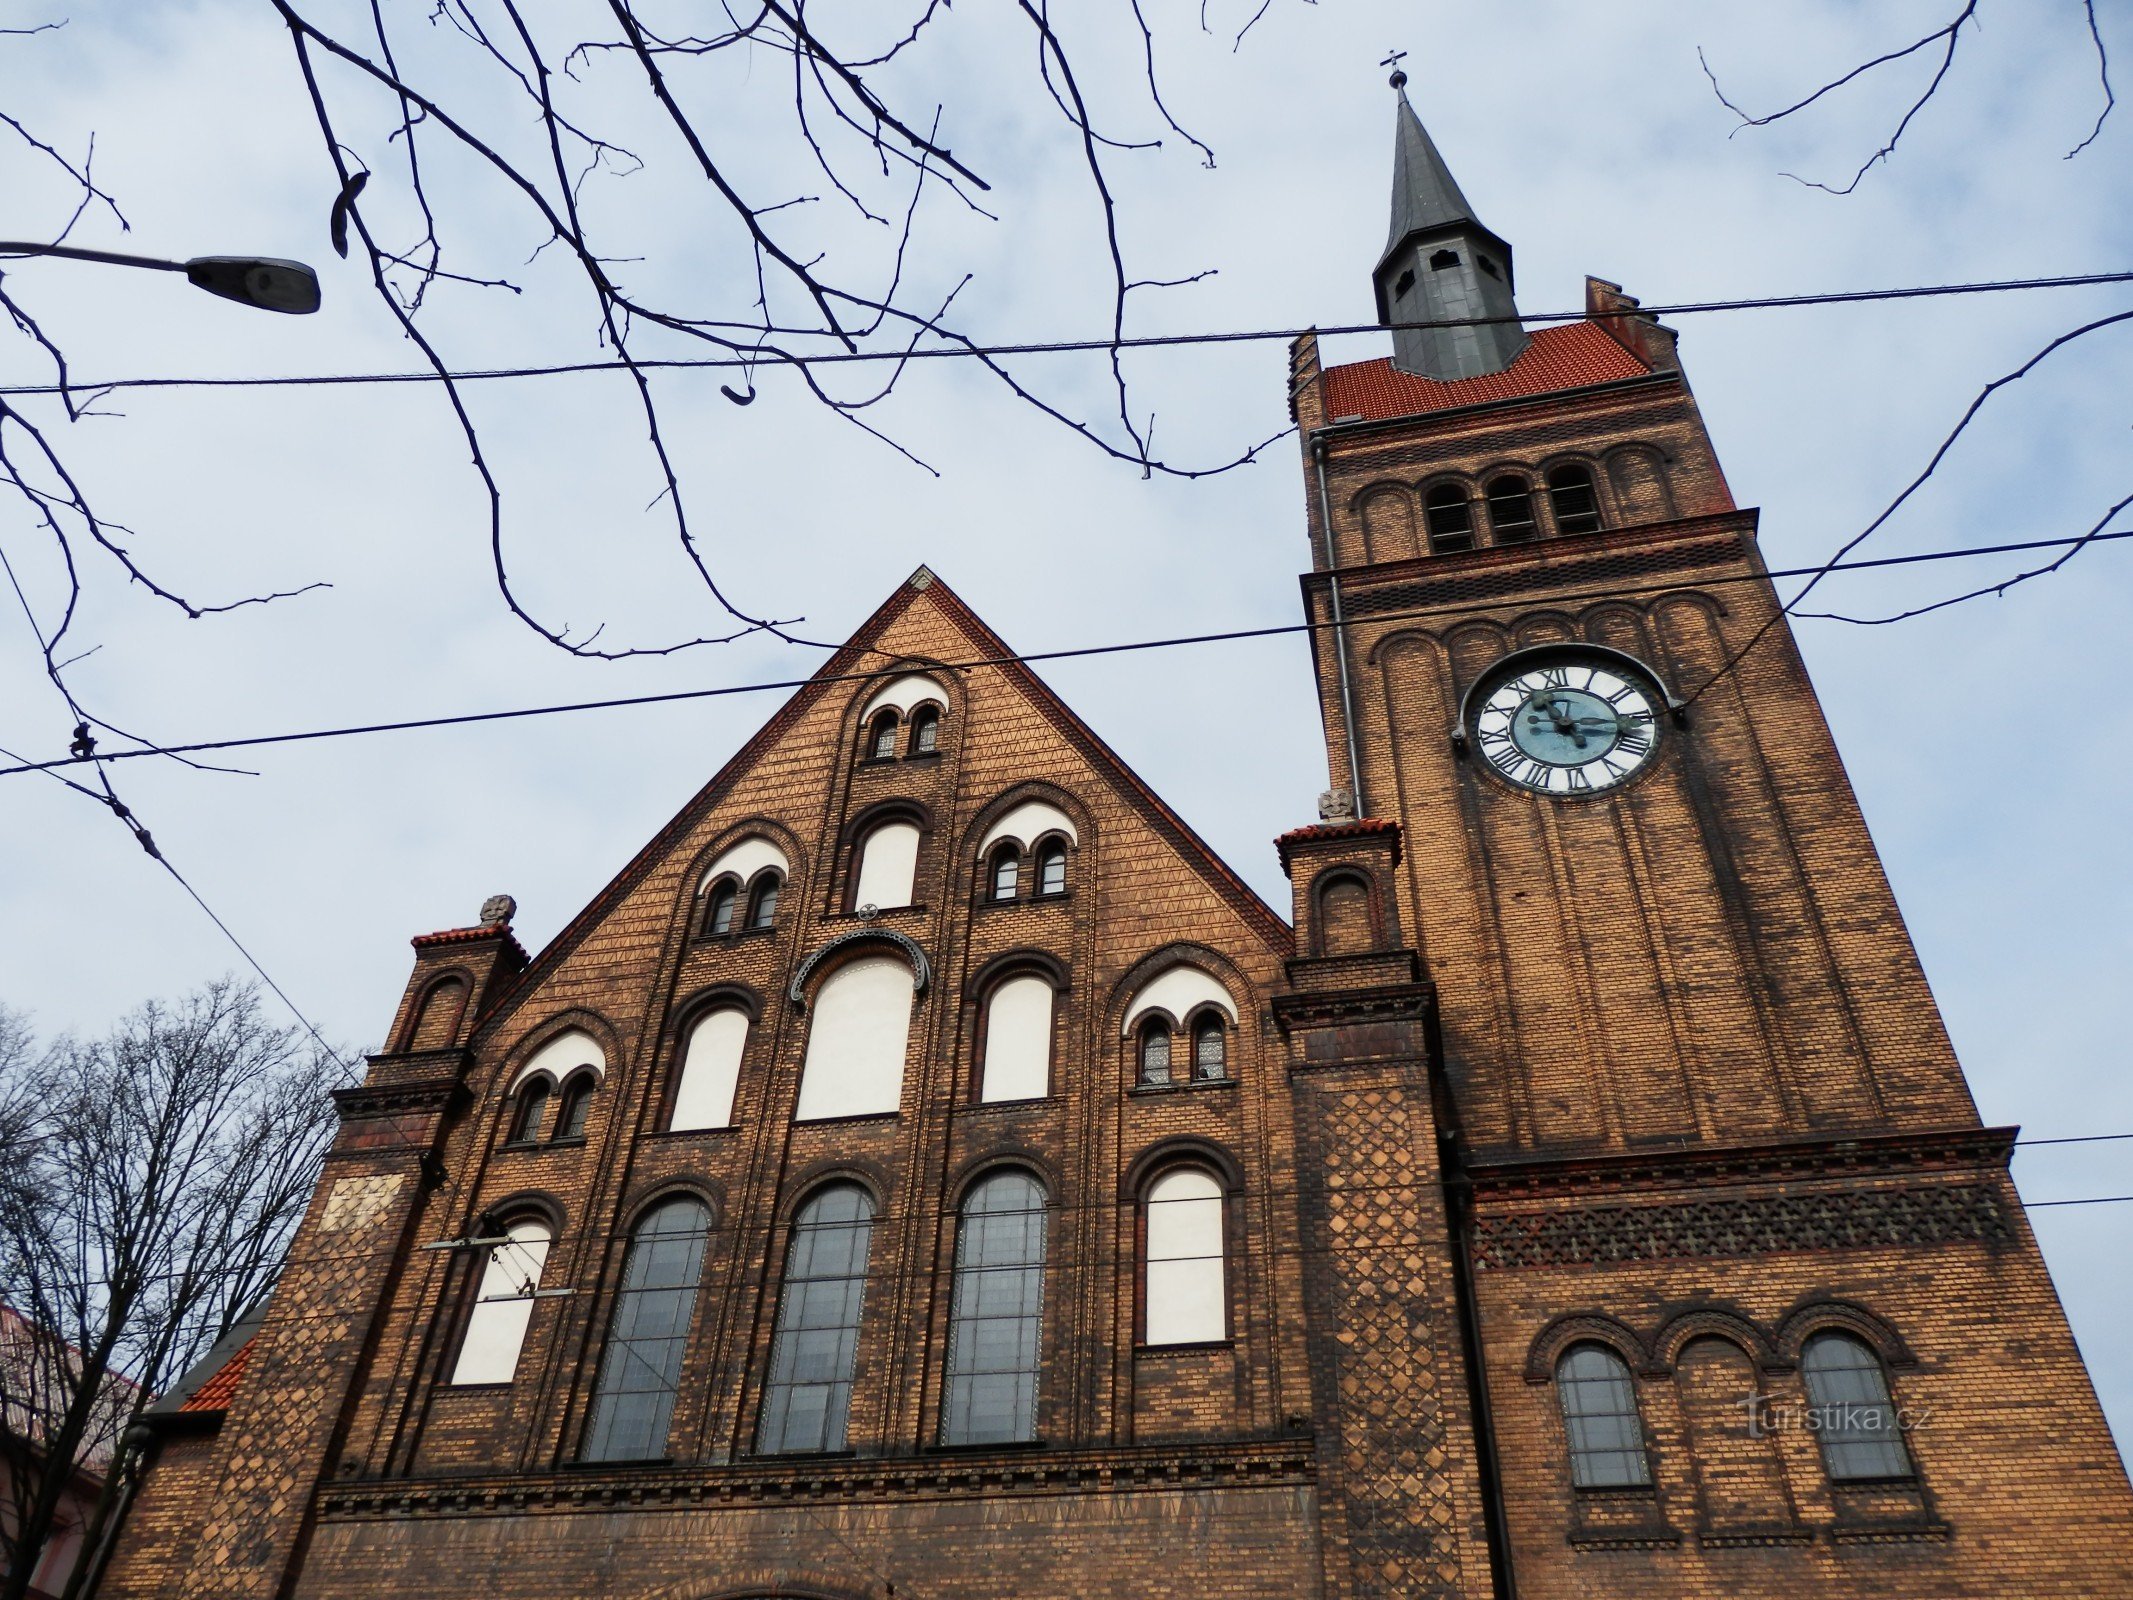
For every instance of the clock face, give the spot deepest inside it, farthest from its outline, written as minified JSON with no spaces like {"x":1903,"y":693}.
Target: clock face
{"x":1567,"y":725}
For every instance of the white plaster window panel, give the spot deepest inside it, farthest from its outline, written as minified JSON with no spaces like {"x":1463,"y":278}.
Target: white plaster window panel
{"x":857,"y":1041}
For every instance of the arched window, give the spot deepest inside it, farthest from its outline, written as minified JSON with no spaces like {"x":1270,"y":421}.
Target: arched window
{"x":888,"y":866}
{"x":532,"y":1108}
{"x":718,"y":915}
{"x":573,"y":1106}
{"x":1571,"y":498}
{"x":1592,"y":1385}
{"x":1051,"y":867}
{"x":1443,"y":259}
{"x":503,"y":1305}
{"x":1187,"y":1300}
{"x":815,"y":1350}
{"x":1018,"y":1040}
{"x":881,"y":737}
{"x":640,"y":1370}
{"x":1155,"y":1051}
{"x":710,"y":1070}
{"x":1005,"y":875}
{"x":857,"y":1041}
{"x":1210,"y":1049}
{"x":763,"y":900}
{"x":997,"y":1314}
{"x":925,"y":730}
{"x":1450,"y":516}
{"x":1511,"y":509}
{"x":1853,"y":1420}
{"x":1346,"y":924}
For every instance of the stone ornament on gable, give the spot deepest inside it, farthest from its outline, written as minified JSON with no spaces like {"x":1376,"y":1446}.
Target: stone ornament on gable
{"x":498,"y":908}
{"x":1336,"y":805}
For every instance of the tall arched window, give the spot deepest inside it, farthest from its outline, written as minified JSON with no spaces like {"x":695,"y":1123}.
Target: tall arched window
{"x":1854,"y":1421}
{"x":503,"y":1305}
{"x":710,"y":1070}
{"x":1155,"y":1050}
{"x":640,"y":1370}
{"x":763,"y":900}
{"x":815,"y":1350}
{"x":532,"y":1108}
{"x":574,"y":1106}
{"x":997,"y":1314}
{"x":1210,"y":1048}
{"x":1599,"y":1402}
{"x":1450,"y":516}
{"x":1187,"y":1299}
{"x":925,"y":730}
{"x":1051,"y":867}
{"x":888,"y":866}
{"x":857,"y":1041}
{"x":1005,"y":875}
{"x":881,"y":737}
{"x":718,"y":916}
{"x":1018,"y":1040}
{"x":437,"y":1022}
{"x":1572,"y":498}
{"x":1511,"y":509}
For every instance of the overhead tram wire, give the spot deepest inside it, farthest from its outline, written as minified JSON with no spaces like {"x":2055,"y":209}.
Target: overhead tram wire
{"x":964,"y":349}
{"x":1079,"y":652}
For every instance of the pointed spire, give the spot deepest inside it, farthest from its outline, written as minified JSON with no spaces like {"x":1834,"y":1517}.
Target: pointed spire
{"x":1424,"y":192}
{"x":1441,"y":265}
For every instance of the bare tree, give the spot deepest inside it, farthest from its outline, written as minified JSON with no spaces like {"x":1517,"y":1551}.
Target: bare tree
{"x":465,"y":144}
{"x":1938,"y":48}
{"x":149,"y":1184}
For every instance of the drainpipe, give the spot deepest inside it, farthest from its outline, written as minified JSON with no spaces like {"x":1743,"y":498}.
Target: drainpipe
{"x":1340,"y":628}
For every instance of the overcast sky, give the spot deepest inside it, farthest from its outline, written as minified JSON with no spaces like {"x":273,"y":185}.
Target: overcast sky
{"x":1985,"y":741}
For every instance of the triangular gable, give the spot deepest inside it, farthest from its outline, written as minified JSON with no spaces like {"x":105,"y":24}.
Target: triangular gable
{"x":845,"y":667}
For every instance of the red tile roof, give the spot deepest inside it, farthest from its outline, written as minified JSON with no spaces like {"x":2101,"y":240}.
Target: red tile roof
{"x":216,"y":1393}
{"x":1570,"y":355}
{"x":489,"y":930}
{"x":1350,"y":828}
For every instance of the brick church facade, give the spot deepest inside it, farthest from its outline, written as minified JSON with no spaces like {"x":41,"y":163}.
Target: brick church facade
{"x":927,"y":1170}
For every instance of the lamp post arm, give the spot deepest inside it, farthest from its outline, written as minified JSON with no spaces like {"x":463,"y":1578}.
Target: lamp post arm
{"x":111,"y":258}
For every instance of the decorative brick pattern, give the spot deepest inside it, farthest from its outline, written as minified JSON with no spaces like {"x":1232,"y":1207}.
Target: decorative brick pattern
{"x":1915,"y":1217}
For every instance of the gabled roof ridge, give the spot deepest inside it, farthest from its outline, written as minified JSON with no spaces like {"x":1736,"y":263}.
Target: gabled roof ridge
{"x":842,"y":666}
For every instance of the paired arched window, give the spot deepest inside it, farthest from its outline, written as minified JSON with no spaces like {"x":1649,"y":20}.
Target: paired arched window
{"x":1004,"y":877}
{"x":1450,"y":517}
{"x":925,"y":730}
{"x":1511,"y":509}
{"x":1017,"y":1052}
{"x":1210,"y":1048}
{"x":814,"y":1352}
{"x":532,"y":1109}
{"x":996,"y":1314}
{"x":1154,"y":1051}
{"x":503,"y":1305}
{"x":727,"y":909}
{"x":857,"y":1041}
{"x":1185,"y":1292}
{"x":640,"y":1368}
{"x":888,"y":865}
{"x":1854,"y":1421}
{"x":1052,"y":867}
{"x":1574,"y":501}
{"x":1599,"y":1405}
{"x":881,"y":737}
{"x":573,"y":1106}
{"x":710,"y":1070}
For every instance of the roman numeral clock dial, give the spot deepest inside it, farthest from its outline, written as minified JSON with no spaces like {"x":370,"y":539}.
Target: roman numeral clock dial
{"x":1570,"y":724}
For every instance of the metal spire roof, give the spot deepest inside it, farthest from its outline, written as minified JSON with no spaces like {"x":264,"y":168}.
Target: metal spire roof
{"x":1424,"y":193}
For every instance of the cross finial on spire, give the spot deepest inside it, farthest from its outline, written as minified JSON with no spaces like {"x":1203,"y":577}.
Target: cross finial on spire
{"x":1399,"y":78}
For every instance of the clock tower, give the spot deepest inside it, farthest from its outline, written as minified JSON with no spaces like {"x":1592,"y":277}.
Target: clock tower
{"x":1749,"y":1298}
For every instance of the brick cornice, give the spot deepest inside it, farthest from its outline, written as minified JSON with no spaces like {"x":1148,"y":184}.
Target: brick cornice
{"x":1865,"y":1155}
{"x":1240,"y":1464}
{"x":1406,"y":1002}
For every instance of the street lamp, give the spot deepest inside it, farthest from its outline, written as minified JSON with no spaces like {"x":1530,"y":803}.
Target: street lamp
{"x":262,"y":281}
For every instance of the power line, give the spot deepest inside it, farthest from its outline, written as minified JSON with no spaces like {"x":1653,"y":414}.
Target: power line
{"x":467,"y":718}
{"x":760,"y":356}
